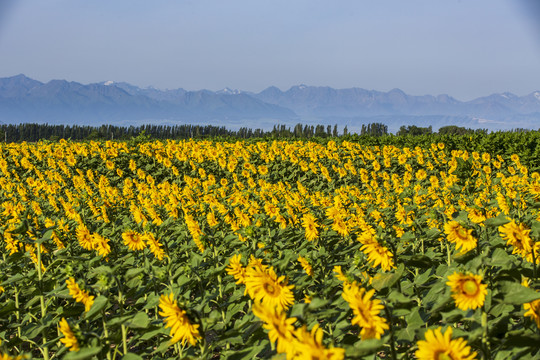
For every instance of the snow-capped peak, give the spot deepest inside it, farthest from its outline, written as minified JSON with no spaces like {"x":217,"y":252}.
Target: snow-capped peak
{"x":537,"y":94}
{"x":229,"y":91}
{"x":107,"y":83}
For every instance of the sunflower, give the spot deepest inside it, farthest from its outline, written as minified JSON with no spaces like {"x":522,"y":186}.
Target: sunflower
{"x":154,"y":245}
{"x":533,"y":308}
{"x":308,"y":345}
{"x":309,"y":224}
{"x":378,"y":255}
{"x":133,"y":240}
{"x":305,"y":265}
{"x":533,"y":311}
{"x":339,"y":274}
{"x":137,"y":214}
{"x":340,"y":226}
{"x":476,"y":216}
{"x":236,"y":269}
{"x":85,"y":238}
{"x":440,"y":346}
{"x":262,"y":284}
{"x":79,"y":295}
{"x":459,"y":235}
{"x":534,"y":190}
{"x":518,"y":237}
{"x":69,"y":339}
{"x":101,"y":245}
{"x":177,"y":320}
{"x":467,"y":290}
{"x":211,"y":219}
{"x":366,"y":311}
{"x":280,"y":327}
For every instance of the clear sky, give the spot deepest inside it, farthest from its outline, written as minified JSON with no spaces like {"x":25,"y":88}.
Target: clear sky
{"x":466,"y":48}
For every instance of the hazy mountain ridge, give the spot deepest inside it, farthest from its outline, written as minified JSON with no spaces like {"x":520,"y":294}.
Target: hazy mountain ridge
{"x":59,"y":101}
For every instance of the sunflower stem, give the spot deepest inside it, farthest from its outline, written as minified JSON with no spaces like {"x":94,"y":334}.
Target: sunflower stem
{"x":42,"y":302}
{"x":123,"y":327}
{"x":124,"y":339}
{"x":106,"y":334}
{"x":392,"y":338}
{"x":17,"y":312}
{"x":485,"y":339}
{"x":534,"y":261}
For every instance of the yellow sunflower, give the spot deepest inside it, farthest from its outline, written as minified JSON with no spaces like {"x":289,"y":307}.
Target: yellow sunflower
{"x":440,"y":346}
{"x":79,"y":295}
{"x":101,"y":245}
{"x":517,"y":236}
{"x":154,"y":245}
{"x":467,"y":290}
{"x":85,"y":238}
{"x":309,"y":224}
{"x":459,"y":235}
{"x":305,"y":265}
{"x":340,"y":226}
{"x":366,"y":311}
{"x":236,"y":269}
{"x":308,"y":345}
{"x":339,"y":274}
{"x":133,"y":240}
{"x":280,"y":327}
{"x":69,"y":339}
{"x":378,"y":255}
{"x":533,"y":311}
{"x":177,"y":320}
{"x":262,"y":284}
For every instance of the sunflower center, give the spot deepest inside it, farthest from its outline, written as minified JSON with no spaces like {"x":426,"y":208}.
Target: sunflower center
{"x":270,"y":289}
{"x":443,"y":356}
{"x":462,"y":233}
{"x":470,"y":287}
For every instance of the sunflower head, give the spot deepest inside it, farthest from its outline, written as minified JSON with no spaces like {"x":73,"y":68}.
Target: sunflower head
{"x":468,"y":290}
{"x":439,"y":345}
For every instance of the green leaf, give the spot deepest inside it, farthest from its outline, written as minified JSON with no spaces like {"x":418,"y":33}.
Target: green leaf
{"x":364,"y":347}
{"x":297,"y":310}
{"x":85,"y":353}
{"x":419,"y":261}
{"x":133,"y":272}
{"x":398,"y":298}
{"x":317,"y":303}
{"x":414,"y":320}
{"x":99,"y":303}
{"x":46,"y":236}
{"x":496,"y":221}
{"x":385,"y":280}
{"x":131,"y":356}
{"x":522,"y":338}
{"x":500,"y":258}
{"x":517,"y":294}
{"x":14,"y":278}
{"x":139,"y":321}
{"x":152,"y":301}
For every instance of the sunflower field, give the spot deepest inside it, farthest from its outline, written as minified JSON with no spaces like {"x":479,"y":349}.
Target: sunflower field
{"x":210,"y":249}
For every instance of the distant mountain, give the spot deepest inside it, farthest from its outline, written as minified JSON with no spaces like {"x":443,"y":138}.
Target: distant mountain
{"x":58,"y":101}
{"x":395,"y":108}
{"x":310,"y":100}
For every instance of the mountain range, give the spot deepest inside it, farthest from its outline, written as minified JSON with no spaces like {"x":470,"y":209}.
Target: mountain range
{"x":23,"y":99}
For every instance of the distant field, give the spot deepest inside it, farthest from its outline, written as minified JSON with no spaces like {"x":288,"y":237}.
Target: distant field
{"x":347,"y":248}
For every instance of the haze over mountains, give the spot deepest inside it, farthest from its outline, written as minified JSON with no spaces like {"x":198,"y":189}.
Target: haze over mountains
{"x":62,"y":102}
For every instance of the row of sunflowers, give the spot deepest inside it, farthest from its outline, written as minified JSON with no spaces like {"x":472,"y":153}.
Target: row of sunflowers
{"x":266,"y":249}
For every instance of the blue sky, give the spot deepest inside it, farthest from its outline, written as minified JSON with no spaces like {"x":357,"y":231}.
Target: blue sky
{"x":466,"y":48}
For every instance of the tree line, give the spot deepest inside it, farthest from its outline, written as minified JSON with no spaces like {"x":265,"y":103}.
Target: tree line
{"x":36,"y":132}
